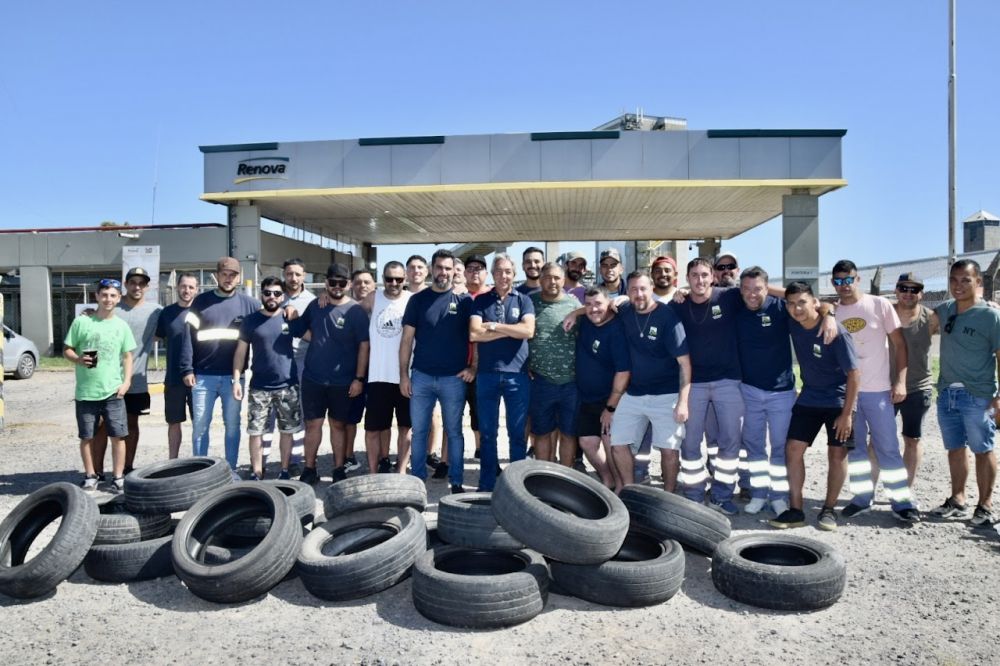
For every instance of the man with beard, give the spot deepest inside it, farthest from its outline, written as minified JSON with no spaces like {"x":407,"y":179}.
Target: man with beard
{"x":658,"y":389}
{"x":532,"y":261}
{"x":576,"y":266}
{"x":207,"y":349}
{"x":436,"y":336}
{"x":298,"y":298}
{"x":170,"y":328}
{"x":273,"y":379}
{"x":726,"y":270}
{"x":416,"y":281}
{"x":664,"y":274}
{"x":335,"y":368}
{"x":385,"y":330}
{"x":362,"y":284}
{"x":611,"y":272}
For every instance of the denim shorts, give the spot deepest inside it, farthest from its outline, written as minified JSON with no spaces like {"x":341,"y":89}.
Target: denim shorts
{"x":965,"y":420}
{"x":553,"y":407}
{"x":89,"y":413}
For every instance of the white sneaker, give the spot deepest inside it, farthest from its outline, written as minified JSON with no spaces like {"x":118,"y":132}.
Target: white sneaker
{"x":779,"y":507}
{"x":755,"y":505}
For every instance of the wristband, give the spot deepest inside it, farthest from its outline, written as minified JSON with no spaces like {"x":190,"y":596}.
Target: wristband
{"x":610,"y":408}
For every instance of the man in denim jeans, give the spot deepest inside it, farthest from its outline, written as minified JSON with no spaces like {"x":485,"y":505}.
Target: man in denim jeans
{"x":436,"y":336}
{"x":502,"y":322}
{"x":967,"y":390}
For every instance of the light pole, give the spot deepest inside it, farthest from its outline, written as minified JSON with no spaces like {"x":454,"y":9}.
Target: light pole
{"x":951,"y":134}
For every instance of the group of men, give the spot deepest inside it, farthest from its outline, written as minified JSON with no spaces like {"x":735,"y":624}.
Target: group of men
{"x":703,"y":374}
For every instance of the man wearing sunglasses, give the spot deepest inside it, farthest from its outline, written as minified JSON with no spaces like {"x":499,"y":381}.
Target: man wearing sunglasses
{"x":274,"y":382}
{"x":501,"y":324}
{"x":206,"y":362}
{"x":385,"y":330}
{"x":872,"y":322}
{"x":336,"y":365}
{"x":967,"y":390}
{"x":726,"y":271}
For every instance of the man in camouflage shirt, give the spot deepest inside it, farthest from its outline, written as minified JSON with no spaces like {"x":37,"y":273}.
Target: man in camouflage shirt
{"x":552,"y":363}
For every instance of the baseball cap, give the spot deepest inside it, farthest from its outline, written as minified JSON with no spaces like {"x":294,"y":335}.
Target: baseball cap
{"x":227,"y":264}
{"x":573,"y":256}
{"x":338,"y":271}
{"x":664,"y":260}
{"x":476,"y":259}
{"x":726,"y":254}
{"x":610,"y":253}
{"x":138,"y":271}
{"x":910,"y":278}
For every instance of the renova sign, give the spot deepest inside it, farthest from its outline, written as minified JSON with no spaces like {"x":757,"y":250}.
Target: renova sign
{"x":261,"y":168}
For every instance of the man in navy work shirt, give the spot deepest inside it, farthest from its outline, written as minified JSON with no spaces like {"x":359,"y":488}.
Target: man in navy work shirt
{"x":602,"y":375}
{"x":830,"y":384}
{"x":436,"y":337}
{"x":502,"y":321}
{"x":274,"y":380}
{"x":170,"y":328}
{"x":658,"y":388}
{"x":336,"y":364}
{"x":207,"y":356}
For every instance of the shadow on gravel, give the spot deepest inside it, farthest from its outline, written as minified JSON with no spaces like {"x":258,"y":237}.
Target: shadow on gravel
{"x":11,"y":602}
{"x":293,"y":592}
{"x":169,"y":593}
{"x":27,"y":482}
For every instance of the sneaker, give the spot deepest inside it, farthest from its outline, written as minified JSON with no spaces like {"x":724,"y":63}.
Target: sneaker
{"x":789,"y":518}
{"x":339,"y":473}
{"x":117,"y":484}
{"x":456,"y":489}
{"x":384,"y":465}
{"x":779,"y":506}
{"x":727,"y":507}
{"x":909,"y":515}
{"x":254,"y":476}
{"x":441,"y":471}
{"x":283,"y":475}
{"x":755,"y":505}
{"x":827,"y":519}
{"x":853,"y":509}
{"x":579,"y":466}
{"x":351,"y":464}
{"x":950,"y":509}
{"x":982,"y":517}
{"x":90,"y":483}
{"x":309,"y":475}
{"x":433,"y":460}
{"x":745,"y":495}
{"x":476,"y":454}
{"x":529,"y":454}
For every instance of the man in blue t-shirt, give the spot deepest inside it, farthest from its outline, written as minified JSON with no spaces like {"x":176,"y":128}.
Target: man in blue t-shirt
{"x":658,"y":389}
{"x":502,"y":322}
{"x":336,"y":365}
{"x":436,"y":337}
{"x":170,"y":328}
{"x":273,"y":380}
{"x":602,"y":375}
{"x":831,"y":380}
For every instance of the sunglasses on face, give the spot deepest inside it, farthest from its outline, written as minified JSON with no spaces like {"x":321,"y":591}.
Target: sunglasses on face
{"x":906,"y":289}
{"x":725,"y":267}
{"x":337,"y":282}
{"x":840,"y":282}
{"x":393,"y":280}
{"x":272,"y":292}
{"x":950,"y":324}
{"x":108,"y":282}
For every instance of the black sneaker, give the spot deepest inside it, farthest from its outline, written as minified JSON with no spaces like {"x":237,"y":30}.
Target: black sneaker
{"x":745,"y":494}
{"x":384,"y":465}
{"x":441,"y":471}
{"x":309,"y":475}
{"x":529,"y":454}
{"x":827,"y":519}
{"x":456,"y":489}
{"x":351,"y":464}
{"x":339,"y":473}
{"x":579,"y":466}
{"x":283,"y":475}
{"x":908,"y":516}
{"x":433,"y":460}
{"x":951,"y":509}
{"x":982,"y":517}
{"x":853,"y":509}
{"x":476,"y":454}
{"x":789,"y":518}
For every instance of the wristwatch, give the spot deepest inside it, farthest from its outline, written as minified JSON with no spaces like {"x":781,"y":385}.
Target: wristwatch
{"x":360,"y":379}
{"x":491,"y":327}
{"x":610,"y":408}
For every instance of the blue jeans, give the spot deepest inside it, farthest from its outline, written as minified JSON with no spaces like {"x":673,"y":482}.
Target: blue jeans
{"x":515,"y":389}
{"x":203,"y":394}
{"x":450,"y":391}
{"x":965,"y":420}
{"x":766,"y":413}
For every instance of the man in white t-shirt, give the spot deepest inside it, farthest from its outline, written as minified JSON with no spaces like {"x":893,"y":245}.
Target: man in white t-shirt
{"x":872,"y":322}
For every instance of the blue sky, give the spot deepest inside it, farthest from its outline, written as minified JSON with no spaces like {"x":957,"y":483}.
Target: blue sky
{"x":98,"y":98}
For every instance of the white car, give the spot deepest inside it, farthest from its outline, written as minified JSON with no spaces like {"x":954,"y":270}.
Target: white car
{"x":20,"y":355}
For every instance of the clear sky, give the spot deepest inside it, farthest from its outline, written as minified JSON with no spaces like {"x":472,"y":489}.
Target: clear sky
{"x":100,"y":100}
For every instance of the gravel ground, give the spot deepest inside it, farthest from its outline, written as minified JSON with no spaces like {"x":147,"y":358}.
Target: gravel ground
{"x":926,"y":594}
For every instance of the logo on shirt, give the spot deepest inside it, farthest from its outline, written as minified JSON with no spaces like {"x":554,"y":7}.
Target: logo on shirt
{"x":453,"y":308}
{"x":284,"y":328}
{"x":652,"y":333}
{"x":817,"y":351}
{"x":388,"y":323}
{"x":515,"y":313}
{"x":339,"y":322}
{"x":854,"y":324}
{"x":595,"y":346}
{"x":765,"y":320}
{"x":716,"y":312}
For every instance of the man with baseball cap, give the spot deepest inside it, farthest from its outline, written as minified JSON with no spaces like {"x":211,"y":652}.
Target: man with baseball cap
{"x":611,"y":272}
{"x":726,"y":270}
{"x":575,"y":265}
{"x":206,"y":359}
{"x":664,"y":273}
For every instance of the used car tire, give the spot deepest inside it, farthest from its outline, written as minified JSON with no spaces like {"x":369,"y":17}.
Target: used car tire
{"x":303,"y":500}
{"x":127,"y":562}
{"x":779,"y":571}
{"x":62,"y":555}
{"x":480,"y":589}
{"x":116,"y":524}
{"x":668,"y":516}
{"x":372,"y":491}
{"x":560,"y":512}
{"x":467,"y":520}
{"x":646,"y":571}
{"x":25,"y":366}
{"x":252,"y":575}
{"x":174,"y":485}
{"x":361,"y":553}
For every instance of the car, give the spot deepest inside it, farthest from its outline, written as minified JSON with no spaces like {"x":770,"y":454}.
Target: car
{"x":20,"y":355}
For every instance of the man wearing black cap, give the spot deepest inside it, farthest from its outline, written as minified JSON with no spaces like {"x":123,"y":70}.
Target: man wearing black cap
{"x":206,"y":356}
{"x":611,"y":272}
{"x":336,"y":365}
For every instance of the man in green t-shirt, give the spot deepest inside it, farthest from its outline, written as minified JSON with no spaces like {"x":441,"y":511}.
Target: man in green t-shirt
{"x":552,"y":363}
{"x":100,"y":345}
